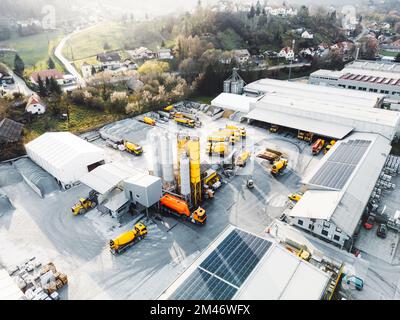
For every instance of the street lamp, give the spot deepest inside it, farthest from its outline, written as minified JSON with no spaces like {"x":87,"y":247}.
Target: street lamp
{"x":291,"y":60}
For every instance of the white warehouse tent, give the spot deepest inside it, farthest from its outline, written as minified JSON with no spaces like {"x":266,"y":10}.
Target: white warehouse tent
{"x":65,"y":156}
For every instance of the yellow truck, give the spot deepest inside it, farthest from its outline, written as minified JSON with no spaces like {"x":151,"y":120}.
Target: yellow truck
{"x":241,"y":130}
{"x":279,"y":166}
{"x":218,"y":148}
{"x":242,"y":159}
{"x":149,"y":121}
{"x":169,"y":108}
{"x":127,"y":239}
{"x":133,"y":148}
{"x":274,"y":128}
{"x":295,"y":197}
{"x":329,"y":146}
{"x":185,"y":122}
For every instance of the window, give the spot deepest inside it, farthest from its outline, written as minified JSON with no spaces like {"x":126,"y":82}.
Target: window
{"x":311,"y":226}
{"x":300,"y":222}
{"x":326,"y":224}
{"x":336,"y":238}
{"x":338,"y":230}
{"x":324,"y":233}
{"x":313,"y":220}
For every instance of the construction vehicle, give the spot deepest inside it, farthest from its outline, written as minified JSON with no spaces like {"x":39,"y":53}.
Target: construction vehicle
{"x":279,"y":166}
{"x":274,"y":128}
{"x":318,"y":146}
{"x":329,"y":146}
{"x":85,"y":204}
{"x":149,"y":121}
{"x":241,"y":130}
{"x":270,"y":155}
{"x":116,"y":145}
{"x":295,"y":197}
{"x":127,"y":239}
{"x":216,"y":148}
{"x":250,"y":184}
{"x":306,"y":136}
{"x":169,"y":108}
{"x":133,"y":148}
{"x":216,"y":138}
{"x":242,"y":159}
{"x":185,"y":122}
{"x":211,"y":179}
{"x":180,"y":208}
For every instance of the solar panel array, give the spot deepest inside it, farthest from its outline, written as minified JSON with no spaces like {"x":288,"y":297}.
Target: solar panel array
{"x":221,"y":274}
{"x":337,"y":170}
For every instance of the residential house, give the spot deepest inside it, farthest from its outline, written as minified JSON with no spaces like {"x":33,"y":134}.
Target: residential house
{"x":241,"y":56}
{"x":47,"y":74}
{"x":165,"y":54}
{"x":286,"y":53}
{"x":142,"y":53}
{"x":392,"y":47}
{"x":307,"y":52}
{"x":130,"y":65}
{"x":35,"y":105}
{"x":307,"y":35}
{"x":109,"y":60}
{"x":87,"y":70}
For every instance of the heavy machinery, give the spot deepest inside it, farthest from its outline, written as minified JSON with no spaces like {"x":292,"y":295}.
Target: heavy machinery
{"x":318,"y":146}
{"x":242,"y":159}
{"x":149,"y":121}
{"x":218,"y":148}
{"x":133,"y":148}
{"x":274,"y":128}
{"x":329,"y":146}
{"x":185,"y":122}
{"x":211,"y":179}
{"x":279,"y":166}
{"x":85,"y":204}
{"x":250,"y":184}
{"x":306,"y":136}
{"x":241,"y":130}
{"x":127,"y":239}
{"x":180,"y":208}
{"x":215,"y":138}
{"x":270,"y":155}
{"x":169,"y":108}
{"x":295,"y":197}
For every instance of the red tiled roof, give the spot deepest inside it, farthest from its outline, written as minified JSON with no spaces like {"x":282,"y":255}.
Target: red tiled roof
{"x":52,"y":73}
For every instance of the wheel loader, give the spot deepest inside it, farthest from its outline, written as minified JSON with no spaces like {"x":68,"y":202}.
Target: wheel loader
{"x":85,"y":204}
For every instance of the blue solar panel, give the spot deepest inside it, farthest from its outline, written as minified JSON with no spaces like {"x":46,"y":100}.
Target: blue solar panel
{"x":201,"y":285}
{"x":236,"y":257}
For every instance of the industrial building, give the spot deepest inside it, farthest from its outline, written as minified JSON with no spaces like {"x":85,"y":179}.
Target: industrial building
{"x":368,"y":76}
{"x":324,"y":111}
{"x":241,"y":266}
{"x":120,"y":186}
{"x":338,"y":189}
{"x":65,"y":156}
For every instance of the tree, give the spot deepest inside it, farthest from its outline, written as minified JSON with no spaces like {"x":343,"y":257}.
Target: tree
{"x":51,"y":64}
{"x":19,"y":65}
{"x":54,"y":87}
{"x":397,"y":58}
{"x":42,"y":88}
{"x":106,"y":46}
{"x":153,"y":67}
{"x":252,"y":12}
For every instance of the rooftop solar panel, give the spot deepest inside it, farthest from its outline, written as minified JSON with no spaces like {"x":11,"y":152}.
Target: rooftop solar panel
{"x":337,"y":170}
{"x":201,"y":285}
{"x":236,"y":257}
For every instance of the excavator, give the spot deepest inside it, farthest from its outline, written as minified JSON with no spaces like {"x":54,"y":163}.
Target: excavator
{"x":127,"y":239}
{"x":180,"y":208}
{"x":85,"y":204}
{"x":279,"y":167}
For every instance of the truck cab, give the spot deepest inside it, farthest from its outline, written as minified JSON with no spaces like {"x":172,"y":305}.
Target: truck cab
{"x":199,"y":216}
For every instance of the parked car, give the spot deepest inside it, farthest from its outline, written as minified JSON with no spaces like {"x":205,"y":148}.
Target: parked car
{"x":369,"y":223}
{"x":382,"y":231}
{"x":354,"y":281}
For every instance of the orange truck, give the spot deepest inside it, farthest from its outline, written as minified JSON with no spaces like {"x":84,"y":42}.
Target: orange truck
{"x":317,"y":146}
{"x":180,"y":208}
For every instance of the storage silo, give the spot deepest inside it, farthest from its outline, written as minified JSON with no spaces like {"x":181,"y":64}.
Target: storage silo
{"x":234,"y":87}
{"x":227,"y":86}
{"x":167,"y":159}
{"x":156,"y":153}
{"x":195,"y":170}
{"x":184,"y":173}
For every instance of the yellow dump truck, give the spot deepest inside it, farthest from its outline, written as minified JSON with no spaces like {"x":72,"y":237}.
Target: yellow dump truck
{"x":127,"y":239}
{"x":242,"y":159}
{"x":133,"y":148}
{"x":279,"y":166}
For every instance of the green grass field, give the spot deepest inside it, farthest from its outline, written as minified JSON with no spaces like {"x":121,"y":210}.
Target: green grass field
{"x":388,"y":53}
{"x":34,"y":50}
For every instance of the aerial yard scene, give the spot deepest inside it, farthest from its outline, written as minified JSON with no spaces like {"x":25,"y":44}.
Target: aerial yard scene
{"x":192,"y":194}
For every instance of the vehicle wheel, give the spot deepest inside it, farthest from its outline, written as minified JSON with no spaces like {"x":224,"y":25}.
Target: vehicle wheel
{"x":94,"y":204}
{"x":82,"y":211}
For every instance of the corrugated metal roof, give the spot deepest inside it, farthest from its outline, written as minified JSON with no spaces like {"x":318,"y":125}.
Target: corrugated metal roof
{"x":322,"y":128}
{"x":233,"y":102}
{"x":10,"y":131}
{"x":8,"y":288}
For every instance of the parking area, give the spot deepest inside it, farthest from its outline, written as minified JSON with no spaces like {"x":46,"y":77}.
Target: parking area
{"x":46,"y":229}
